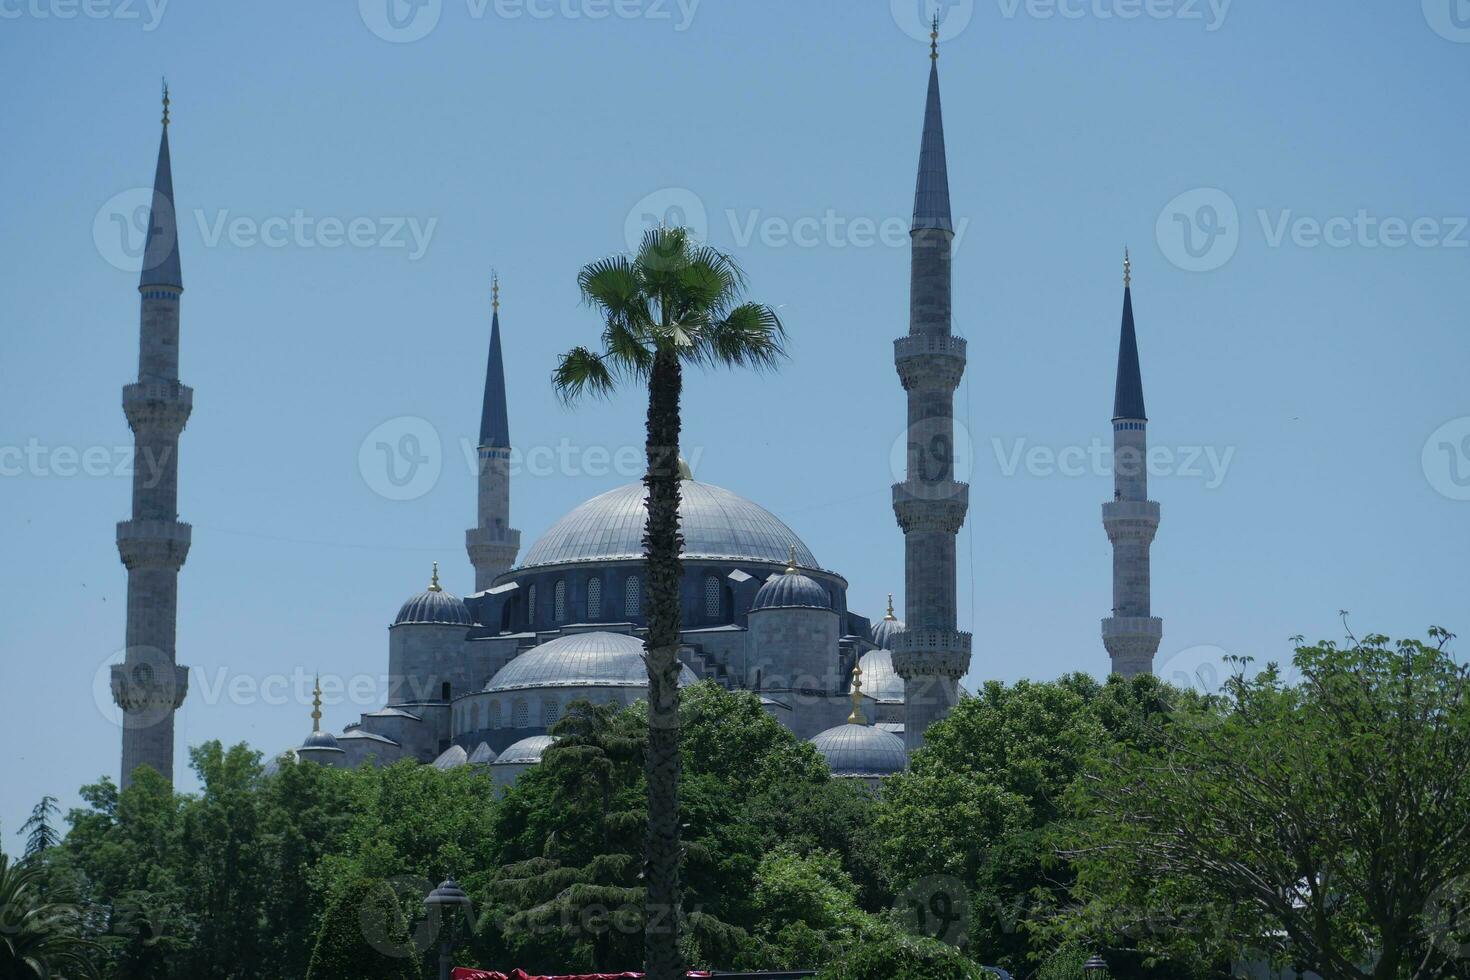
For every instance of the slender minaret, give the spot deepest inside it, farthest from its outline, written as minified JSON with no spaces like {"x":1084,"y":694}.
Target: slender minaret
{"x":149,"y":685}
{"x":493,"y":543}
{"x":1131,"y":634}
{"x":931,"y":655}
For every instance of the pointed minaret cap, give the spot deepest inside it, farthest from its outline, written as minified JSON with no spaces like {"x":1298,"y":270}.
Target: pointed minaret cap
{"x":1128,"y":395}
{"x":161,"y":251}
{"x":494,"y":419}
{"x":931,"y":191}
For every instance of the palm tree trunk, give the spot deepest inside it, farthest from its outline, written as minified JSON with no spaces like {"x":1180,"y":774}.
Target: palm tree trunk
{"x":662,"y":545}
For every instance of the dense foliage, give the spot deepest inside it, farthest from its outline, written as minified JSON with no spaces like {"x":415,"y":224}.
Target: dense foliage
{"x":1318,"y":822}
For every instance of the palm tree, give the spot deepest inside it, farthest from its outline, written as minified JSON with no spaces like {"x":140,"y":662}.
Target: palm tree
{"x":672,"y":303}
{"x":38,"y":940}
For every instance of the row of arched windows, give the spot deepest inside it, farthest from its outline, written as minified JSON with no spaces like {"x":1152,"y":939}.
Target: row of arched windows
{"x":714,"y":599}
{"x":470,"y":718}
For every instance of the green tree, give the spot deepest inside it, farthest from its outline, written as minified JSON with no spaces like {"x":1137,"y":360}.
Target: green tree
{"x":1319,"y":823}
{"x":38,"y":939}
{"x":364,"y":934}
{"x":671,"y":303}
{"x":40,"y":829}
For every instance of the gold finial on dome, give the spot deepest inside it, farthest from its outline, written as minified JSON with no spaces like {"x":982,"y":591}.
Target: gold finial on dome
{"x":791,"y":560}
{"x":890,"y":617}
{"x":165,"y":101}
{"x":494,"y":291}
{"x":1127,"y":268}
{"x":316,"y":705}
{"x":856,"y":718}
{"x":434,"y":585}
{"x":934,"y":39}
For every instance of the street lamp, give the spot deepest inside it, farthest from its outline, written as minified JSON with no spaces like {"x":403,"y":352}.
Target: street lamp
{"x":1096,"y":968}
{"x":449,"y":900}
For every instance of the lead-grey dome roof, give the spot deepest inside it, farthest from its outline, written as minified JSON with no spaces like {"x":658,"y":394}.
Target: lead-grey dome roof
{"x":525,"y":752}
{"x":791,"y":589}
{"x":452,"y":758}
{"x":861,"y":750}
{"x":320,"y":740}
{"x":434,"y":606}
{"x":884,"y":630}
{"x":596,"y":659}
{"x":715,"y":523}
{"x":880,"y":682}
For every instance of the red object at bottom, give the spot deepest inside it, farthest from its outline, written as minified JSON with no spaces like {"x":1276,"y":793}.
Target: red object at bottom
{"x":465,"y":973}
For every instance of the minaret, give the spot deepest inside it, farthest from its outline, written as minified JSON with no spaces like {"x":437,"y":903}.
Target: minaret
{"x":931,"y":654}
{"x":1131,"y":634}
{"x":493,"y":543}
{"x":148,"y":685}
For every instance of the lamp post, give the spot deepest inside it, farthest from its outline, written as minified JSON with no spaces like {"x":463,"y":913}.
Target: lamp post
{"x":449,"y":900}
{"x":1096,"y":968}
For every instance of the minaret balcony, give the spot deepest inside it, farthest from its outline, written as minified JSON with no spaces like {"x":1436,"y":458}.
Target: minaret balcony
{"x":937,"y":506}
{"x":931,"y":652}
{"x":930,"y":360}
{"x":153,"y":544}
{"x":152,"y":685}
{"x":1140,"y":511}
{"x":1133,"y":627}
{"x":157,"y":405}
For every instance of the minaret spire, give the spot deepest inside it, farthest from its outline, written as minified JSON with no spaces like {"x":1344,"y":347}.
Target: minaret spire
{"x":149,"y":685}
{"x":316,"y":705}
{"x":931,"y":654}
{"x":1132,"y":634}
{"x":493,"y":544}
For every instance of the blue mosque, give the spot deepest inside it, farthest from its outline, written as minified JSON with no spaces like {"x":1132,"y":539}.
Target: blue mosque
{"x":482,"y":679}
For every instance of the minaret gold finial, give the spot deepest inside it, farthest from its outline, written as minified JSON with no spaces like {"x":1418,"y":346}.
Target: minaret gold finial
{"x":165,"y":101}
{"x":791,"y":560}
{"x":316,"y":705}
{"x":494,"y":291}
{"x":890,"y":617}
{"x":1127,"y":269}
{"x":434,"y":585}
{"x":934,"y":39}
{"x":856,"y":718}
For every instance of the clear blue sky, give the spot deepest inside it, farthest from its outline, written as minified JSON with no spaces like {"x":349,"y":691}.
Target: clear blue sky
{"x":528,"y":137}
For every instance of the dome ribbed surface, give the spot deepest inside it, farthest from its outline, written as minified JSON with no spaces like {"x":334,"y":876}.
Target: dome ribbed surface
{"x":883,"y":632}
{"x":580,"y":660}
{"x":482,"y":756}
{"x":320,"y":740}
{"x":792,"y":589}
{"x":715,"y":523}
{"x":861,"y":750}
{"x":525,"y":752}
{"x":434,"y":606}
{"x":452,"y":758}
{"x":880,"y":682}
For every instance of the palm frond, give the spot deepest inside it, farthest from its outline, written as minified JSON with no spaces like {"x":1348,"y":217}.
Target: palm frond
{"x":612,"y":284}
{"x":581,"y":372}
{"x":751,"y":335}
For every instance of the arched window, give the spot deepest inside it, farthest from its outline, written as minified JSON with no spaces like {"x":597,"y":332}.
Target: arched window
{"x":594,"y":599}
{"x":444,"y":691}
{"x":520,"y":714}
{"x":550,"y":712}
{"x":475,"y":717}
{"x":712,"y":597}
{"x":531,"y":606}
{"x":492,"y":715}
{"x":632,"y":597}
{"x":559,"y":601}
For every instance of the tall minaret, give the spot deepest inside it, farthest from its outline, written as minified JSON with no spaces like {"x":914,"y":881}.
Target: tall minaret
{"x":931,"y":655}
{"x":493,"y":543}
{"x":149,"y":685}
{"x":1131,"y":634}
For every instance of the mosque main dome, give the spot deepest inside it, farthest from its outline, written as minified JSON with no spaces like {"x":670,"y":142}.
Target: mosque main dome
{"x":715,"y":523}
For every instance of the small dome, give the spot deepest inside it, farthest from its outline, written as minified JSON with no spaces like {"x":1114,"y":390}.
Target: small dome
{"x":596,"y":659}
{"x":321,"y":740}
{"x":482,"y":756}
{"x":880,"y":682}
{"x":861,"y":750}
{"x":884,"y":630}
{"x":452,"y":758}
{"x":792,"y":589}
{"x":526,"y":752}
{"x":434,"y":605}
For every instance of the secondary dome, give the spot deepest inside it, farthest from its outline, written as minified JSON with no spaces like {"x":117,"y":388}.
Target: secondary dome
{"x":880,"y":682}
{"x":526,"y":752}
{"x":791,"y":589}
{"x":715,"y":523}
{"x":861,"y":751}
{"x":434,"y":605}
{"x":884,"y":630}
{"x":320,"y":740}
{"x":580,"y":660}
